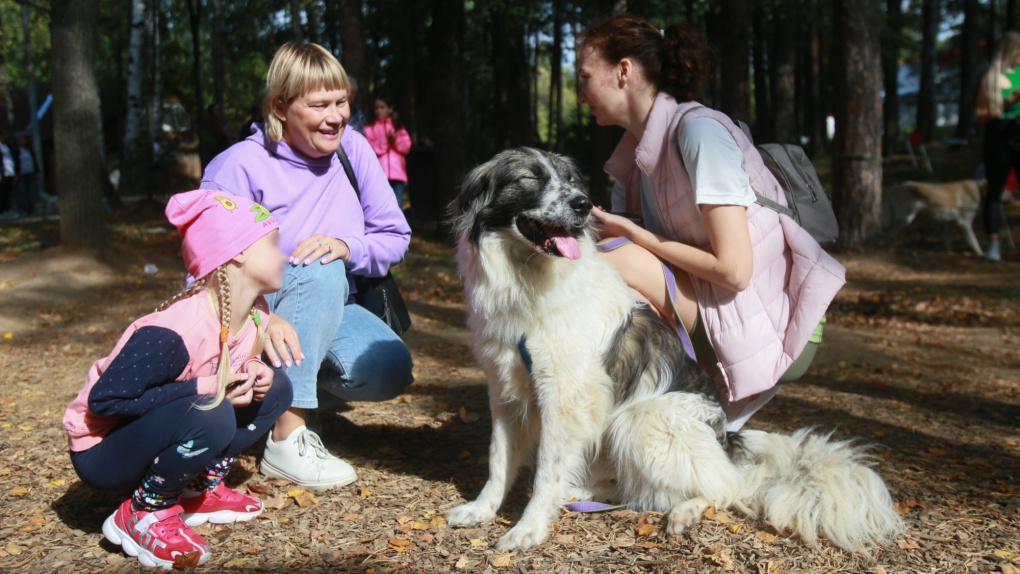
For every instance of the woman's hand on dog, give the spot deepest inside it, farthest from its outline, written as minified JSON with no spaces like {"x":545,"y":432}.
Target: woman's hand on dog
{"x":614,"y":225}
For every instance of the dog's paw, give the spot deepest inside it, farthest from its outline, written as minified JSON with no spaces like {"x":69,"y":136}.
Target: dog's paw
{"x":469,"y":514}
{"x":684,"y":515}
{"x":522,"y":536}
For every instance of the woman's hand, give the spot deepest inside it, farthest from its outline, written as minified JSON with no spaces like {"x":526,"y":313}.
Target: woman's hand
{"x":614,"y":225}
{"x":241,"y":389}
{"x":328,"y":248}
{"x":281,"y":342}
{"x":263,"y":377}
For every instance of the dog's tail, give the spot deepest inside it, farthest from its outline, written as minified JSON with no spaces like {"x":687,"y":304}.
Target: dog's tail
{"x":812,"y":484}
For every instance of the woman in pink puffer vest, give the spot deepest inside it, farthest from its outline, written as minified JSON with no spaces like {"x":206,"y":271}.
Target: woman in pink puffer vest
{"x":752,"y":285}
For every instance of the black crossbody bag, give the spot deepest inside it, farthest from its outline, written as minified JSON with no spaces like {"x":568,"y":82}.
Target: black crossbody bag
{"x":377,"y":294}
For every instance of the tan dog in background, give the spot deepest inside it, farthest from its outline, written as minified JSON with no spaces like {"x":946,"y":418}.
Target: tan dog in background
{"x":956,"y":202}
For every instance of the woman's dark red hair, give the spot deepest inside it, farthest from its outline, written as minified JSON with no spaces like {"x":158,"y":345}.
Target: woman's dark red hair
{"x":678,"y":62}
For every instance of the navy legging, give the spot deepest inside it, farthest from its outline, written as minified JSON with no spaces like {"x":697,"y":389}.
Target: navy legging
{"x":998,"y":157}
{"x":174,"y":442}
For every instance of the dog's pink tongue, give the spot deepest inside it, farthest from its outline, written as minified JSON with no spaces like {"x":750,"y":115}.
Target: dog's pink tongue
{"x":565,"y":244}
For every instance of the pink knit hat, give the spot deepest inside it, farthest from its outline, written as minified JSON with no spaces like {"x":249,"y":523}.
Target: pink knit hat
{"x":216,"y":226}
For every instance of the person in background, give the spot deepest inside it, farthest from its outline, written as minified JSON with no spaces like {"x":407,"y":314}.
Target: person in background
{"x":391,"y":143}
{"x":8,"y":174}
{"x":998,"y":108}
{"x":26,"y":180}
{"x":357,"y":120}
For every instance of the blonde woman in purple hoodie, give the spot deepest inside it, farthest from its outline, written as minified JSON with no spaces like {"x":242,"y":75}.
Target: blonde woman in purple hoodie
{"x":331,"y":348}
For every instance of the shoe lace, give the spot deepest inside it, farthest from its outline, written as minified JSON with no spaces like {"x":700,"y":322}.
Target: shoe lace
{"x":311,"y":441}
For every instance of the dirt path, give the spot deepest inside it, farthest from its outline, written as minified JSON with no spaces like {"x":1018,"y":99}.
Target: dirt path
{"x":920,"y":360}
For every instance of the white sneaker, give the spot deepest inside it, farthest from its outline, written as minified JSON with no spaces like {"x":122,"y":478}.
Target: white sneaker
{"x":994,"y":252}
{"x":302,"y":459}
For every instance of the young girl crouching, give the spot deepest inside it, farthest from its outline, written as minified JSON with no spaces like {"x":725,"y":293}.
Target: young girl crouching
{"x":184,"y":392}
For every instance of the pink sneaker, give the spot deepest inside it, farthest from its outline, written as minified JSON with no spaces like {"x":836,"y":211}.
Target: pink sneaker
{"x":156,"y":538}
{"x":221,"y":505}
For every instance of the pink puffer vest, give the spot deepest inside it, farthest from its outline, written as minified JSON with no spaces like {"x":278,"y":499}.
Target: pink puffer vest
{"x":758,"y":332}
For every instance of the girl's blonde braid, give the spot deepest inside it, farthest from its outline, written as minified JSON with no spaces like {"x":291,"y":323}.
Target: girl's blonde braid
{"x":195,"y":288}
{"x":222,"y":285}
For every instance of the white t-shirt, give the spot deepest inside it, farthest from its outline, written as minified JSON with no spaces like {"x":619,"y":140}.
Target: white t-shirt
{"x":8,"y":160}
{"x":715,"y":163}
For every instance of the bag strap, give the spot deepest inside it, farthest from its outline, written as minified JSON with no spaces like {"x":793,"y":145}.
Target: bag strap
{"x":340,"y":153}
{"x":632,"y":200}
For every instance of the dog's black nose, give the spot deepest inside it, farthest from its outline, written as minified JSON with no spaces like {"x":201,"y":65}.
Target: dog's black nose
{"x":581,"y":205}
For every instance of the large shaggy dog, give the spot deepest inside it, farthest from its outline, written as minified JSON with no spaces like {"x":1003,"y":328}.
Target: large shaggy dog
{"x":612,"y":406}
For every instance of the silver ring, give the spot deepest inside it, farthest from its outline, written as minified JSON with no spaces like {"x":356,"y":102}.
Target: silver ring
{"x":319,"y":242}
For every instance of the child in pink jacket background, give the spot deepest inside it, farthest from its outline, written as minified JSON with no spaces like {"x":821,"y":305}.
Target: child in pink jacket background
{"x":391,"y":143}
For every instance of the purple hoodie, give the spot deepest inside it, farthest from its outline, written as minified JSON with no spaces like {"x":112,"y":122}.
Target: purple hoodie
{"x":310,"y":196}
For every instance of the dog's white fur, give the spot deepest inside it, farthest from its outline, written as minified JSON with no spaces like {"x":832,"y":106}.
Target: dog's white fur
{"x":957,"y":202}
{"x":654,"y":450}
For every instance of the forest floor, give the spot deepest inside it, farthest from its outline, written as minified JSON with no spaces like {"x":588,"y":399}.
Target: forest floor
{"x":921,"y":360}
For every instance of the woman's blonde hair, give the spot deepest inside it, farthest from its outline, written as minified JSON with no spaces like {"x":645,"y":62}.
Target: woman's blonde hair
{"x":217,"y":283}
{"x":989,"y":100}
{"x":297,"y":69}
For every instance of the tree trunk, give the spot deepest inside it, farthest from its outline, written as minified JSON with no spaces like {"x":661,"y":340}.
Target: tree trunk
{"x":556,"y":77}
{"x":1012,"y":15}
{"x":74,"y":32}
{"x":857,"y":162}
{"x":446,"y":51}
{"x":929,"y":67}
{"x":814,"y":115}
{"x":156,"y":116}
{"x":511,"y":75}
{"x":133,"y":119}
{"x":33,"y":118}
{"x":8,"y":103}
{"x":296,"y":34}
{"x":194,"y":16}
{"x":968,"y":68}
{"x":217,"y":54}
{"x":411,"y":45}
{"x":890,"y":68}
{"x":762,"y":110}
{"x":332,"y":30}
{"x":782,"y":75}
{"x":312,"y":11}
{"x":735,"y":93}
{"x":352,"y":40}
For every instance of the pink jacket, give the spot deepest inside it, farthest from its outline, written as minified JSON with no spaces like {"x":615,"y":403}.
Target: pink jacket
{"x":161,"y":357}
{"x":758,"y":332}
{"x":390,"y":156}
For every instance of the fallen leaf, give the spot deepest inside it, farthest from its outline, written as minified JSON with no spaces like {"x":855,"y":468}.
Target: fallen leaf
{"x":58,"y":482}
{"x":499,"y":560}
{"x":257,"y":488}
{"x":364,"y":492}
{"x":397,"y":542}
{"x":462,"y":563}
{"x":275,"y":502}
{"x":404,"y":519}
{"x":437,"y":521}
{"x":114,"y":559}
{"x":477,"y":542}
{"x":467,"y":417}
{"x":1010,"y":569}
{"x":721,"y":517}
{"x":303,"y":498}
{"x":644,"y":529}
{"x":621,"y":543}
{"x":236,"y":562}
{"x":359,"y":551}
{"x":1005,"y":554}
{"x":351,"y":517}
{"x":251,"y":550}
{"x":189,"y":560}
{"x":721,"y":558}
{"x":419,"y":525}
{"x":880,"y":569}
{"x":908,"y":544}
{"x":8,"y":335}
{"x":13,"y":549}
{"x":709,"y":513}
{"x":426,"y":539}
{"x":20,"y":491}
{"x":766,"y":537}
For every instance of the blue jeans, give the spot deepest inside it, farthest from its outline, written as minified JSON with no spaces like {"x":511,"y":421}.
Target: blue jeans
{"x":349,"y":352}
{"x":398,"y":190}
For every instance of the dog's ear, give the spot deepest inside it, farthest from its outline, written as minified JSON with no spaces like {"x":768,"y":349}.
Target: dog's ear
{"x":464,"y":209}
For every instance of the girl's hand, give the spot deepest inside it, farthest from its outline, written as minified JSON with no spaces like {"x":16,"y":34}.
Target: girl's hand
{"x":329,"y":249}
{"x":391,"y":137}
{"x":263,"y":376}
{"x":614,"y":225}
{"x":240,"y":391}
{"x":281,"y":341}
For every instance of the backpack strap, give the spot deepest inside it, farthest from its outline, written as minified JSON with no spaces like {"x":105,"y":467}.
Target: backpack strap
{"x":340,"y":153}
{"x":632,"y":200}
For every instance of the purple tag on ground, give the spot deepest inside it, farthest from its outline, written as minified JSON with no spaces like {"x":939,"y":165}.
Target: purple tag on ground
{"x":591,"y":506}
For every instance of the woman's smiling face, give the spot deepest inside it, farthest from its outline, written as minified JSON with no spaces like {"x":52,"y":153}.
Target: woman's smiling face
{"x":314,"y":121}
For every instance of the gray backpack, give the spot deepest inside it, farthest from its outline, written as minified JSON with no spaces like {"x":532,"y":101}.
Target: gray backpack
{"x":807,"y":202}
